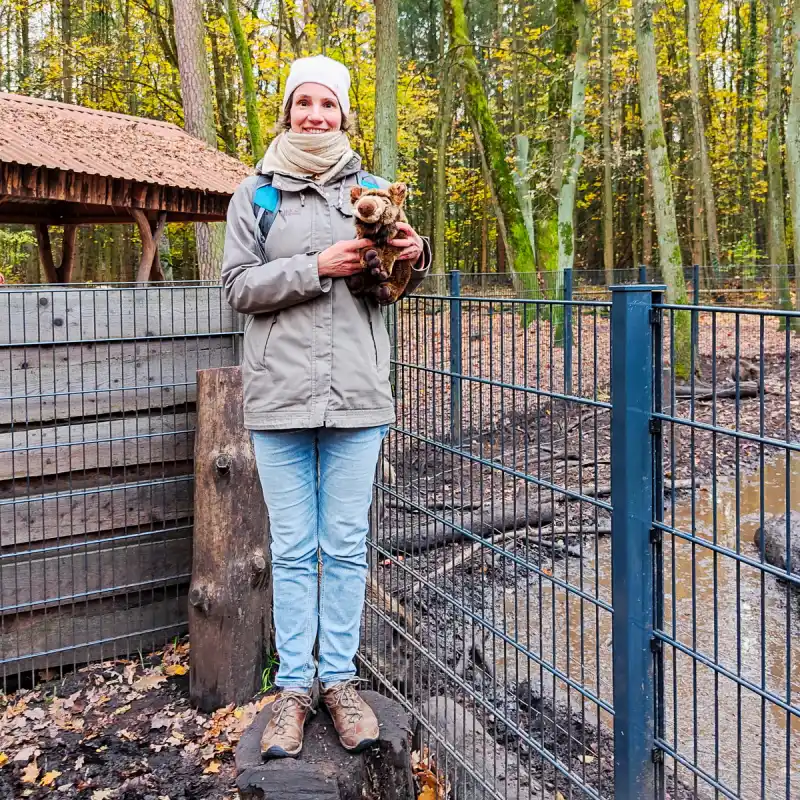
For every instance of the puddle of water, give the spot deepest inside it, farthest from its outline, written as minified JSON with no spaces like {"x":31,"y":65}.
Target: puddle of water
{"x":735,"y":616}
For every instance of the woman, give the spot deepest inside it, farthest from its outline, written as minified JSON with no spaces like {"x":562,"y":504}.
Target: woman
{"x":317,"y":397}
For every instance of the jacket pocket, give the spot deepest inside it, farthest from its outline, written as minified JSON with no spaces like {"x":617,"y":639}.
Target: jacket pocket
{"x":256,"y":339}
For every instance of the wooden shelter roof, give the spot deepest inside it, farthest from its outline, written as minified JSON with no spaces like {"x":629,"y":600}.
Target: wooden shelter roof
{"x":66,"y":164}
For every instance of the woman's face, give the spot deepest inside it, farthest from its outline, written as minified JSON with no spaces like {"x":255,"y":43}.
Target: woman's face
{"x":315,"y":109}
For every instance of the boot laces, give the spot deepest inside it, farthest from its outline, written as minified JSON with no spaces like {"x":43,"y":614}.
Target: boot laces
{"x":283,"y":705}
{"x":344,"y":695}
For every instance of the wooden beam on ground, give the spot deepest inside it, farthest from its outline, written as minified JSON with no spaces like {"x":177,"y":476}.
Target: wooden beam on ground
{"x":230,"y":608}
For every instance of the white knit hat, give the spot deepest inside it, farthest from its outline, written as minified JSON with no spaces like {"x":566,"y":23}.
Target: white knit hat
{"x":323,"y":70}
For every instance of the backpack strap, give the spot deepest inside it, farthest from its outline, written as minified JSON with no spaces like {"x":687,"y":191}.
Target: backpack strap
{"x":266,"y":202}
{"x":367,"y":181}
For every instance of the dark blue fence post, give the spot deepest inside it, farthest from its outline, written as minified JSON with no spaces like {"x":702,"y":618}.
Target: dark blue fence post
{"x":632,"y":445}
{"x":642,"y":273}
{"x":568,"y":331}
{"x":455,"y":358}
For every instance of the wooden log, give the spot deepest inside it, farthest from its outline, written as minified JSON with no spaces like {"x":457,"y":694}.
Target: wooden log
{"x":29,"y":518}
{"x":492,"y":519}
{"x":230,"y":611}
{"x":324,"y":770}
{"x":704,"y":391}
{"x":96,"y":445}
{"x":63,"y":314}
{"x":41,"y":384}
{"x":90,"y":631}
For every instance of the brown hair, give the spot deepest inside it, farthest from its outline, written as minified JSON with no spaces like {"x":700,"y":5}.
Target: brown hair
{"x":285,"y":121}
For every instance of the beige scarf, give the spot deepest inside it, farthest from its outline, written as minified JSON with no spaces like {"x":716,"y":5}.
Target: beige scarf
{"x":320,"y":156}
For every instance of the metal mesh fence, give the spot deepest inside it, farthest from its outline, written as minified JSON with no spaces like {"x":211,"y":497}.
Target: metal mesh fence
{"x":493,"y":610}
{"x":97,"y":414}
{"x":728,"y":553}
{"x":746,"y":285}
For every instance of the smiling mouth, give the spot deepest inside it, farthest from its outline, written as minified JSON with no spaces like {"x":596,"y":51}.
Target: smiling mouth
{"x":315,"y":130}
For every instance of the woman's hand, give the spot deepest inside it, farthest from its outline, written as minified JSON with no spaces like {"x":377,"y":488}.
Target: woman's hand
{"x":410,"y":247}
{"x":342,"y":259}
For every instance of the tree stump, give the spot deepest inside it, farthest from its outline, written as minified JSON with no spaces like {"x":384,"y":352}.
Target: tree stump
{"x":324,"y":770}
{"x":230,"y":597}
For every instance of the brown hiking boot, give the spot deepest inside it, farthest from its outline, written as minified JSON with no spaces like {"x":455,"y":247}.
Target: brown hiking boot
{"x":354,"y":720}
{"x":283,"y":736}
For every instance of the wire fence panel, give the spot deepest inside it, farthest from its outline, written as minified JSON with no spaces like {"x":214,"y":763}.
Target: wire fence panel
{"x":97,"y":414}
{"x":489,"y":610}
{"x":747,"y":285}
{"x":728,"y":623}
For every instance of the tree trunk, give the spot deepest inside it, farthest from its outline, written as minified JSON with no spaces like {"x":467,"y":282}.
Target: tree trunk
{"x":793,"y":143}
{"x":647,"y":216}
{"x":384,"y":154}
{"x":749,"y":67}
{"x":198,"y":119}
{"x":661,"y":179}
{"x":776,"y":233}
{"x":222,"y":89}
{"x":699,"y":131}
{"x":442,"y":136}
{"x":248,"y":82}
{"x":231,"y":578}
{"x":490,"y":143}
{"x":66,"y":50}
{"x":522,"y":184}
{"x":574,"y":156}
{"x":608,"y":202}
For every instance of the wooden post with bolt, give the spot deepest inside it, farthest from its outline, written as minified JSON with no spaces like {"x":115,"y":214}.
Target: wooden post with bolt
{"x":230,"y":596}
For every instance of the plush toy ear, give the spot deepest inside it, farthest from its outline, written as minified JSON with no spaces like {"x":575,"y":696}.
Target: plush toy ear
{"x":397,"y":192}
{"x":355,"y":193}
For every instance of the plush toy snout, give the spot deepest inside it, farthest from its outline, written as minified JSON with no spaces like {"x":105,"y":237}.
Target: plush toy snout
{"x":370,"y":208}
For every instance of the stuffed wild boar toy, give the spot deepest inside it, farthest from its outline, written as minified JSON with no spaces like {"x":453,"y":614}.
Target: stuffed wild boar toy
{"x":377,"y":212}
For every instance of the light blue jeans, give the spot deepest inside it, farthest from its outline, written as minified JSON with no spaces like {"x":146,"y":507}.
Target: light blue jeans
{"x":317,"y":485}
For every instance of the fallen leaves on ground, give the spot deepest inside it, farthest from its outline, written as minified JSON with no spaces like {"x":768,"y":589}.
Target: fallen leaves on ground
{"x":432,"y":784}
{"x":95,"y":730}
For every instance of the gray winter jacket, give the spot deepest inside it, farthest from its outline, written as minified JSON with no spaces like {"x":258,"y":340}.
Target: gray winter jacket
{"x":314,"y":355}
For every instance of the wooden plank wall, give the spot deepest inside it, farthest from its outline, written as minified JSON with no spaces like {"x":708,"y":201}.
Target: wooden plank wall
{"x":97,"y":415}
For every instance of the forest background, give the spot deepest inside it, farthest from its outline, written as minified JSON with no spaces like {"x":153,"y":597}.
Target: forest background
{"x":599,"y":134}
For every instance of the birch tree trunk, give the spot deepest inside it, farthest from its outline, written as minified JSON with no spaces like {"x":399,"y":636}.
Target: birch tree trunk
{"x":510,"y":221}
{"x":608,"y":202}
{"x":793,"y":142}
{"x":661,"y":180}
{"x":574,"y":156}
{"x":198,"y":118}
{"x":523,"y":187}
{"x":699,"y":131}
{"x":776,"y":235}
{"x":248,"y":82}
{"x":384,"y":154}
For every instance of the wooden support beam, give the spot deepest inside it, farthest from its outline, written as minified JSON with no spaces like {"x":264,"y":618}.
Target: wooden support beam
{"x":63,"y":272}
{"x":230,"y":598}
{"x":46,"y":252}
{"x":149,"y":236}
